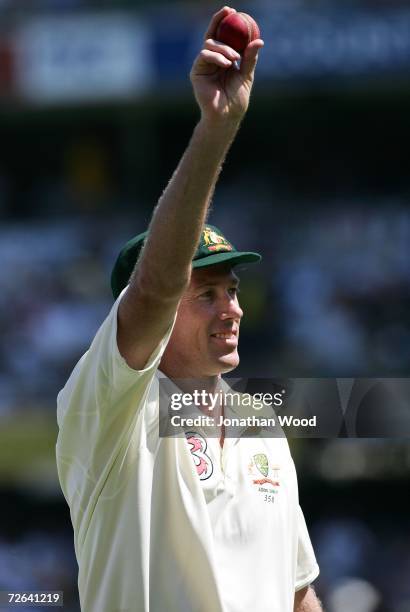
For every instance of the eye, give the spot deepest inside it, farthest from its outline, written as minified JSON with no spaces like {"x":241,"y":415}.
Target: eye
{"x":234,"y":290}
{"x":206,"y":295}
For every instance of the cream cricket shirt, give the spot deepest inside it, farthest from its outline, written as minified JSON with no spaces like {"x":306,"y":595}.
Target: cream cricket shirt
{"x":172,"y":524}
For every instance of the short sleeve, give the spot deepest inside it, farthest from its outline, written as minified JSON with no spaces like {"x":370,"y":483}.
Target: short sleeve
{"x":97,"y":412}
{"x":307,"y":568}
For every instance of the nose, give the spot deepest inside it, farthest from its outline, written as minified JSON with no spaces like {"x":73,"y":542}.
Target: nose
{"x":230,"y":309}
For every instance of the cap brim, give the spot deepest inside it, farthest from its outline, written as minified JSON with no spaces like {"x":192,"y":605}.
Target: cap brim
{"x":233,"y":258}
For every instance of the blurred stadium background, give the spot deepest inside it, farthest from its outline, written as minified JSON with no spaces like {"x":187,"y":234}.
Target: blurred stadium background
{"x":95,"y":110}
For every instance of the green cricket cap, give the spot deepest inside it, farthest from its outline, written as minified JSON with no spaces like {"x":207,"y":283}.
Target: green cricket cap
{"x":213,"y":249}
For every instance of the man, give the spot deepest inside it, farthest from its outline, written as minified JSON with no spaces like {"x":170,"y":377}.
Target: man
{"x":151,"y":533}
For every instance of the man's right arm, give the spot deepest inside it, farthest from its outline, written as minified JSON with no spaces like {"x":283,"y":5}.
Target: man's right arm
{"x":148,"y":307}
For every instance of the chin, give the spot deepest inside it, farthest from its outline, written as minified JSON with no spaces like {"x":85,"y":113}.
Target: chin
{"x":228,"y":364}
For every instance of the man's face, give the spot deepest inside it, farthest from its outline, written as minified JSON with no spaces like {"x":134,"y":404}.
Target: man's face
{"x":204,"y":341}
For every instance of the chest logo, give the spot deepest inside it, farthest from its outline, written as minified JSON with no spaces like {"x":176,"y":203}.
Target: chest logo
{"x":269,"y":485}
{"x":202,"y":461}
{"x":262,"y":463}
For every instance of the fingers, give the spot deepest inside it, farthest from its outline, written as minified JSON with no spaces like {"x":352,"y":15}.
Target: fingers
{"x":212,"y":57}
{"x":218,"y":47}
{"x":250,"y":58}
{"x":214,"y":53}
{"x":213,"y":26}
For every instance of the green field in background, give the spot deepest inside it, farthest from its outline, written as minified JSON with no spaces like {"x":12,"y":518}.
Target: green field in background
{"x":27,"y":449}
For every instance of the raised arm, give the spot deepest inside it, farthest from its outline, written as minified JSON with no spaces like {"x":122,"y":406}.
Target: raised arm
{"x":163,"y":270}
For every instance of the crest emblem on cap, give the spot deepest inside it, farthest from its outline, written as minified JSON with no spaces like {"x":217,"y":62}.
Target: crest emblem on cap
{"x":215,"y":242}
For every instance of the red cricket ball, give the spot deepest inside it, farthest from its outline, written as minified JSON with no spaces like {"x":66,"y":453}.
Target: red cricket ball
{"x":237,"y":30}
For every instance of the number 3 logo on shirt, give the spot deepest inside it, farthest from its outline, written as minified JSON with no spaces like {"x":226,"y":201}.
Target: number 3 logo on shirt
{"x":202,"y":461}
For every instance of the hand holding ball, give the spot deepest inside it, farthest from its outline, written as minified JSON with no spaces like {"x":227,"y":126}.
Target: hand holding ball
{"x":237,"y":30}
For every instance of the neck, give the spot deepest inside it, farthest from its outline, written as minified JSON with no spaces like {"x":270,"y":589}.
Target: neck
{"x":188,"y":381}
{"x":205,"y":387}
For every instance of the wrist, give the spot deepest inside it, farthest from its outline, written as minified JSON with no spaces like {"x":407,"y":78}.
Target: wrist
{"x":217,"y":132}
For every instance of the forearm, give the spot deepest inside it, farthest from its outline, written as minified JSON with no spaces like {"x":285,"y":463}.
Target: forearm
{"x":177,"y":221}
{"x":222,"y":92}
{"x":307,"y":601}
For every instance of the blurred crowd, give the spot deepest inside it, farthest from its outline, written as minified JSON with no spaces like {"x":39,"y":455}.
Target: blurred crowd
{"x":55,"y":295}
{"x":354,"y":559}
{"x":39,"y":561}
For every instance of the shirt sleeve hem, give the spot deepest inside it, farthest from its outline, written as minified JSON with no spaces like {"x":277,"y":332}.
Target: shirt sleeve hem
{"x":308,"y":579}
{"x":153,"y":359}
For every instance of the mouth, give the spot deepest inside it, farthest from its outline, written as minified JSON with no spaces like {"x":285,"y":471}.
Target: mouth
{"x":229,"y":338}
